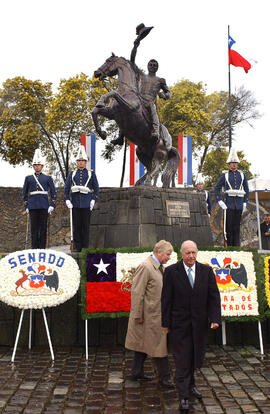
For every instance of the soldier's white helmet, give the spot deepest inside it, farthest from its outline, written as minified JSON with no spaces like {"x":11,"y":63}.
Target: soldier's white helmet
{"x":199,"y":179}
{"x":81,"y":156}
{"x":38,"y":159}
{"x":233,"y":157}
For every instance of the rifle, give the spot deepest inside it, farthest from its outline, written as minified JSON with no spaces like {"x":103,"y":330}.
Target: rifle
{"x":224,"y":228}
{"x":71,"y":231}
{"x":27,"y":229}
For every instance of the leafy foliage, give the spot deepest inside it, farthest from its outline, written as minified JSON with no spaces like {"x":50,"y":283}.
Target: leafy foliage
{"x":32,"y":116}
{"x":191,"y":111}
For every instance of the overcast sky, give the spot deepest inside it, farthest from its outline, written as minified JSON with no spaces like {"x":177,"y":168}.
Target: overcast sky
{"x":54,"y":39}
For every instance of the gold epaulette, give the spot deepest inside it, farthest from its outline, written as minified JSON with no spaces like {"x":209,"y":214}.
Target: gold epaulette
{"x":91,"y":170}
{"x":225,"y":171}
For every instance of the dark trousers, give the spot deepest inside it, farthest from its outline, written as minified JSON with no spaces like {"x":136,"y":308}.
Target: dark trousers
{"x":233,"y":220}
{"x":162,"y":365}
{"x":38,"y":220}
{"x":184,"y":376}
{"x":81,"y":223}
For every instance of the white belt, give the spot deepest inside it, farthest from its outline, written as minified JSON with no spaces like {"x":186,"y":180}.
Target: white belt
{"x":38,"y":192}
{"x":80,"y":189}
{"x":235,"y":193}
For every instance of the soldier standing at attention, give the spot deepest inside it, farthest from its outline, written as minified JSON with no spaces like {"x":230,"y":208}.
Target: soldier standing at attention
{"x":200,"y":189}
{"x":236,"y":191}
{"x":81,"y":191}
{"x":36,"y":201}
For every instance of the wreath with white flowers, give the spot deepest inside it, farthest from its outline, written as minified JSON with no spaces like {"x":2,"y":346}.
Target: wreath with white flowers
{"x":236,"y":280}
{"x":37,"y":278}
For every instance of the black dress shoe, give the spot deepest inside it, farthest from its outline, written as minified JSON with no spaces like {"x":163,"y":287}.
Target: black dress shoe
{"x":194,"y":391}
{"x":184,"y":404}
{"x":166,"y":383}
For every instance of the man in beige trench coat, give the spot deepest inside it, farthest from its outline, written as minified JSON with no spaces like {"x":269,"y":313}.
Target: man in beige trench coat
{"x":145,"y":335}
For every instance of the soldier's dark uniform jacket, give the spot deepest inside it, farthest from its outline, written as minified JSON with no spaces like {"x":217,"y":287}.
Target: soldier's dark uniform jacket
{"x":83,"y":186}
{"x":35,"y":192}
{"x":235,"y":187}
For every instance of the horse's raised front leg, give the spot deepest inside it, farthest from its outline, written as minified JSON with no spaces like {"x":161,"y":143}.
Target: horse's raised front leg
{"x":107,"y":113}
{"x":131,"y":105}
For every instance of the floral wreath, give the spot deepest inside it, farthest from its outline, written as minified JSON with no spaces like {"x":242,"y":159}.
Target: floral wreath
{"x":37,"y":278}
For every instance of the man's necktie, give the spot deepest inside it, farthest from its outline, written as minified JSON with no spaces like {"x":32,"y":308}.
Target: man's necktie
{"x":190,"y":277}
{"x":161,"y":268}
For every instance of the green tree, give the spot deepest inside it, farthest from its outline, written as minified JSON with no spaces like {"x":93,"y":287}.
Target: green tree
{"x":206,"y":117}
{"x":32,"y":116}
{"x":185,"y":113}
{"x":215,"y":163}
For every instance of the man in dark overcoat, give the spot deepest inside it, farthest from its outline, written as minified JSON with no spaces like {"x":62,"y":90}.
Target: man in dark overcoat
{"x":265,"y":232}
{"x":190,"y":301}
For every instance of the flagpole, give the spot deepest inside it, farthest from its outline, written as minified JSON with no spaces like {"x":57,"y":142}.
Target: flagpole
{"x":230,"y":106}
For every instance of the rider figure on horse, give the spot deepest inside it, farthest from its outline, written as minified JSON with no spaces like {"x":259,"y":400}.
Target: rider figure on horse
{"x":150,"y":86}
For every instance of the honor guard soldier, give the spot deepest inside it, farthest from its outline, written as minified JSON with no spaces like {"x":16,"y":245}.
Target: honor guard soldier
{"x":36,"y":201}
{"x":200,"y":189}
{"x":236,"y":191}
{"x":81,"y":191}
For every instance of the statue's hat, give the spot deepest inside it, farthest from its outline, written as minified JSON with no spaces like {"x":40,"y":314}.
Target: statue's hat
{"x":38,"y":159}
{"x":233,"y":157}
{"x":81,"y":156}
{"x":142,"y":31}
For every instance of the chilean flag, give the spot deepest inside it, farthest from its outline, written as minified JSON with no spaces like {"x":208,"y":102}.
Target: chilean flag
{"x":103,"y":290}
{"x":136,"y":167}
{"x":89,"y":143}
{"x":185,"y":165}
{"x":236,"y":59}
{"x":106,"y":292}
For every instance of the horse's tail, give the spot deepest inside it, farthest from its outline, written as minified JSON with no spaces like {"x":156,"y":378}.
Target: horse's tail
{"x":171,"y":167}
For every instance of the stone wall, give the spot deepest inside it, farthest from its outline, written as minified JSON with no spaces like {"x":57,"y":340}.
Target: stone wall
{"x":139,"y":216}
{"x":13,"y":222}
{"x":123,"y":217}
{"x":132,"y":215}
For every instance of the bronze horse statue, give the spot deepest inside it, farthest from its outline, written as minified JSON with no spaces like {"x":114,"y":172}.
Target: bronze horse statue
{"x":125,"y":106}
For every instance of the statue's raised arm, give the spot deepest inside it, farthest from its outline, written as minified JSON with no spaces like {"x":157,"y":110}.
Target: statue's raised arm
{"x":141,"y":31}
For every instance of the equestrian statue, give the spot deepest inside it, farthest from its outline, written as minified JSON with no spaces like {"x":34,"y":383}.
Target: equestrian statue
{"x":133,"y":107}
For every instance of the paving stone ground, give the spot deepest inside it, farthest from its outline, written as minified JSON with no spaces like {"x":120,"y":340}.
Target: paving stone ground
{"x":233,"y":380}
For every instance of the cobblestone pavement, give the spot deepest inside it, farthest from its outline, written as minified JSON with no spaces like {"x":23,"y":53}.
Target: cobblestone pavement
{"x":232,"y":381}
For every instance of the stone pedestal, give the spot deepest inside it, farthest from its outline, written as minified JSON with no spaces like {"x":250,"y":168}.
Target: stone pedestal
{"x":141,"y":216}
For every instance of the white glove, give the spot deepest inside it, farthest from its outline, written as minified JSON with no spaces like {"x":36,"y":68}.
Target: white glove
{"x":244,"y":207}
{"x":27,"y":211}
{"x":69,"y":204}
{"x":222,"y":205}
{"x":50,"y":209}
{"x":92,"y":203}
